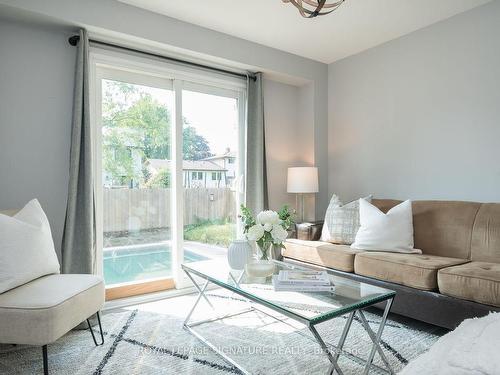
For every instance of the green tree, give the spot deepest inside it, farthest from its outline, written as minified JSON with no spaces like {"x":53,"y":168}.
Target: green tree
{"x":137,"y":126}
{"x":195,"y":146}
{"x":118,"y":156}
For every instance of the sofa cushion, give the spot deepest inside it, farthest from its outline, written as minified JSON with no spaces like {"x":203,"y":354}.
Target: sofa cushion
{"x":474,"y":281}
{"x":413,"y":270}
{"x":485,"y":245}
{"x":41,"y":311}
{"x":339,"y":257}
{"x":442,"y":228}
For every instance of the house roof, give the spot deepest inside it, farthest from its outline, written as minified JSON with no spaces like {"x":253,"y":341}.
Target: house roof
{"x":187,"y":165}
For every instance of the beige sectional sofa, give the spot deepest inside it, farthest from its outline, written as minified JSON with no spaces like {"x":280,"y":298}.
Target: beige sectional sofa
{"x":456,"y":277}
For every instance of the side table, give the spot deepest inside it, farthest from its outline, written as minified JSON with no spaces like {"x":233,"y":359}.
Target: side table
{"x":309,"y":231}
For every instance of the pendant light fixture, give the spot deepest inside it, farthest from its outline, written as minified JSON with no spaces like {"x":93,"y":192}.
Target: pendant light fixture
{"x":314,"y":8}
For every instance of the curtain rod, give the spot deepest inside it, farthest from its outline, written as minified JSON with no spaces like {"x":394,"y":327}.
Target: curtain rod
{"x":75,"y":38}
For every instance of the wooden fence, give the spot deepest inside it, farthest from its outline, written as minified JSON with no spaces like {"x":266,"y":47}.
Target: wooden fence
{"x":138,"y":209}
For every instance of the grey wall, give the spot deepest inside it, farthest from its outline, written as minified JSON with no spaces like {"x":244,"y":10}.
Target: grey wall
{"x":289,"y":138}
{"x":419,"y":117}
{"x":36,"y":89}
{"x":280,"y":110}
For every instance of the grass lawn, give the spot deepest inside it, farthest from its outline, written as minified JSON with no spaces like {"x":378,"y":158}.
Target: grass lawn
{"x":218,"y":233}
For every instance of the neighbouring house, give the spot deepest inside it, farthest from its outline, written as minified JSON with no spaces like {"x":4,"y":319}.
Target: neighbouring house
{"x":122,"y":157}
{"x":195,"y":173}
{"x":227,"y":160}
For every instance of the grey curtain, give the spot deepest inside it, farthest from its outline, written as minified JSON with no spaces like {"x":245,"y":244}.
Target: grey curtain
{"x":78,"y":247}
{"x":256,"y":170}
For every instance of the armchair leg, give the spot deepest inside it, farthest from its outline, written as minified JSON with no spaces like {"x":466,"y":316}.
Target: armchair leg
{"x":45,"y":360}
{"x":100,"y":329}
{"x":44,"y":347}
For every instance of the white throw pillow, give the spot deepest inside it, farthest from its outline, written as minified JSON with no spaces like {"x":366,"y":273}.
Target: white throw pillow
{"x":341,"y":221}
{"x":26,"y":247}
{"x":392,"y":231}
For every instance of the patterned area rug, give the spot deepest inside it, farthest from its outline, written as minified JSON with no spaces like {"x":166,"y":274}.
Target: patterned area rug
{"x":149,"y":339}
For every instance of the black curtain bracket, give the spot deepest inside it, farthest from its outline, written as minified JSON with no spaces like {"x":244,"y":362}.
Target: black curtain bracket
{"x":73,"y":40}
{"x":76,"y":38}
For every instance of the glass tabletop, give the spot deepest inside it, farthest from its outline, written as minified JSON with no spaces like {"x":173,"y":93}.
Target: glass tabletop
{"x":308,"y":307}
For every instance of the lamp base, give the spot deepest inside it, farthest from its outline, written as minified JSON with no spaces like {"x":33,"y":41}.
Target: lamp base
{"x":299,"y":207}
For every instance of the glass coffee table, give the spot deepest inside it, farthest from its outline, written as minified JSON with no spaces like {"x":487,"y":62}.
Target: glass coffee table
{"x":350,"y":297}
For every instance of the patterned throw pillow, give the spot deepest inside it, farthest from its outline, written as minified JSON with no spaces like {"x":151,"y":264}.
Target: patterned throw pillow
{"x":341,"y":221}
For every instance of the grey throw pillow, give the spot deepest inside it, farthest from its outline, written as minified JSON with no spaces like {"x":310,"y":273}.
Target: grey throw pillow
{"x":341,"y":221}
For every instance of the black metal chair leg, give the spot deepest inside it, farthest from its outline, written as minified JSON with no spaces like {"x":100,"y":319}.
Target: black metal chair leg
{"x":100,"y":329}
{"x":45,"y":360}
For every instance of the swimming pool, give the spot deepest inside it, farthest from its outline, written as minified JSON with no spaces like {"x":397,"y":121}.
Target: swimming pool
{"x":140,"y":262}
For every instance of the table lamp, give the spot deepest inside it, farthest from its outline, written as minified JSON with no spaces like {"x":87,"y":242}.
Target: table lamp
{"x":302,"y":180}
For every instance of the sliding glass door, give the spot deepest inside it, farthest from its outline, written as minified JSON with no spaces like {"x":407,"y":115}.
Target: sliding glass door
{"x":135,"y":144}
{"x":169,"y":156}
{"x":211,"y":171}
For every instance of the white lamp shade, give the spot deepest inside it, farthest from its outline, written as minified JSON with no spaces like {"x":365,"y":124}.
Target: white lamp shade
{"x":302,"y":180}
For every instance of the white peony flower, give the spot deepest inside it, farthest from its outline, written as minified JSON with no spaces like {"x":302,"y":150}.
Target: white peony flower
{"x":268,"y":217}
{"x":255,"y":233}
{"x":268,"y":227}
{"x":279,"y":234}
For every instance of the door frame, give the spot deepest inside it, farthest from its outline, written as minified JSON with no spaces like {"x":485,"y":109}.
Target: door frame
{"x":128,"y":74}
{"x":136,"y":69}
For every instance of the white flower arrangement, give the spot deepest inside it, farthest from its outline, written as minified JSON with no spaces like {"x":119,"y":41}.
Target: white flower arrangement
{"x":268,"y":229}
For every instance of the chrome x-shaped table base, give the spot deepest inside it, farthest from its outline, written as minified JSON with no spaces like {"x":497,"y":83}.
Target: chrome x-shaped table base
{"x":332,"y":352}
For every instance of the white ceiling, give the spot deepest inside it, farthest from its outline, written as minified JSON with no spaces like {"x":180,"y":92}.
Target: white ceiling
{"x":357,"y":25}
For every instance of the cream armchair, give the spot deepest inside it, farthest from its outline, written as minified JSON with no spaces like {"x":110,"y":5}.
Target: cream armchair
{"x":43,"y":310}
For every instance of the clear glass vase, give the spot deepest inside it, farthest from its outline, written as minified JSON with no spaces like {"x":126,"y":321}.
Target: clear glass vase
{"x":262,"y":266}
{"x":264,"y":252}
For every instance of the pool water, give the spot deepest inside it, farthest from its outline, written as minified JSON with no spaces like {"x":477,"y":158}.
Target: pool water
{"x":135,"y":263}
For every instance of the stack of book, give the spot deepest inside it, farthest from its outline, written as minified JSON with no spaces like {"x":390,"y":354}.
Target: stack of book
{"x":302,"y":281}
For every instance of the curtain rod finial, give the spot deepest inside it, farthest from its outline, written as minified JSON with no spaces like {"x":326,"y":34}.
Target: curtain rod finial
{"x":74,"y":40}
